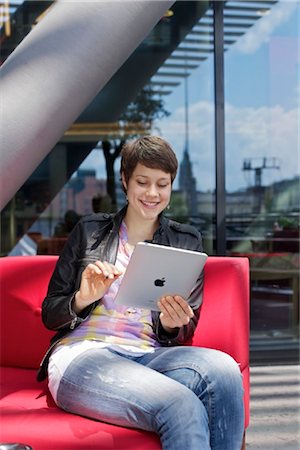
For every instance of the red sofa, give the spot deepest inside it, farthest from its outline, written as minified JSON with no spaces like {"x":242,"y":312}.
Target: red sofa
{"x":28,"y":414}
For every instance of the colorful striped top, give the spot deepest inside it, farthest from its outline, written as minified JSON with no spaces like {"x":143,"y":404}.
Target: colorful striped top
{"x":130,"y":328}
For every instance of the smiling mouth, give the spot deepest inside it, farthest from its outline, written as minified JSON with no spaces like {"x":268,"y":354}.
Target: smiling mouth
{"x":150,"y":204}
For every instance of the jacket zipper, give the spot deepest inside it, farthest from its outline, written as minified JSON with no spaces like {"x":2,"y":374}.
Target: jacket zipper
{"x":73,"y":323}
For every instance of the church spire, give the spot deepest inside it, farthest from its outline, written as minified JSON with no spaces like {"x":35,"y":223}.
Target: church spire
{"x":187,"y":182}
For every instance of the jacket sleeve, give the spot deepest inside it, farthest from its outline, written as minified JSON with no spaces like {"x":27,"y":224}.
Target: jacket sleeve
{"x":57,"y":310}
{"x":181,"y":335}
{"x":185,"y":333}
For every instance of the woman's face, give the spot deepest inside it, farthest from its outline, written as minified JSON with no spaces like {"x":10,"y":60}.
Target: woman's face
{"x":148,"y":191}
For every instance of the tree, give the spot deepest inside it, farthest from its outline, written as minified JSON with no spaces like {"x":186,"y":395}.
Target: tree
{"x":136,"y":120}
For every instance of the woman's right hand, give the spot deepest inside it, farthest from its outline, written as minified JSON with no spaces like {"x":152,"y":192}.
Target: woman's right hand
{"x":96,"y":279}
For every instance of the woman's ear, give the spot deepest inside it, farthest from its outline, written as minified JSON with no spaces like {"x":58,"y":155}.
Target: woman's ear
{"x":124,"y":182}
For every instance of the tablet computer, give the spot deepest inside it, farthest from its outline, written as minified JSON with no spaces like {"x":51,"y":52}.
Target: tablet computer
{"x":155,"y":271}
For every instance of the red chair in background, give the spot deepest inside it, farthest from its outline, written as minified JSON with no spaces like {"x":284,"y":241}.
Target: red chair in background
{"x":28,"y":414}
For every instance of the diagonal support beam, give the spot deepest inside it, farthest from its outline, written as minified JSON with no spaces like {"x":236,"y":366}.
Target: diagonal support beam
{"x":57,"y":70}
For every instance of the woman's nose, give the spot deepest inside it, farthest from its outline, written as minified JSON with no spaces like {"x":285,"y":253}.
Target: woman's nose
{"x":152,"y":191}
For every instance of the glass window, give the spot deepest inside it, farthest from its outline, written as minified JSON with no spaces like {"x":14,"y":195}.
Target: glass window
{"x":262,"y":162}
{"x":164,"y":88}
{"x":190,"y":125}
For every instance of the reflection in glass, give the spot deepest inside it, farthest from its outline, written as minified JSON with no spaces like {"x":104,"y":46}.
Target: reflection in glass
{"x":262,"y":173}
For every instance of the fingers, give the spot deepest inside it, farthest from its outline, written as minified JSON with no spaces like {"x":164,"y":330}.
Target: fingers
{"x":108,"y":269}
{"x":96,"y":279}
{"x":105,"y":268}
{"x":175,"y":309}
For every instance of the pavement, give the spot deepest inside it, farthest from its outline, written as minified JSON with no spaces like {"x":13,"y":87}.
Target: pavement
{"x":274,"y":408}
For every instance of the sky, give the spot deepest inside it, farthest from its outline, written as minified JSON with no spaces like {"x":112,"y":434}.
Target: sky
{"x":262,"y":92}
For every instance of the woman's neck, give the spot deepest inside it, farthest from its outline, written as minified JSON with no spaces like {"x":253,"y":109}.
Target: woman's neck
{"x":138,"y":229}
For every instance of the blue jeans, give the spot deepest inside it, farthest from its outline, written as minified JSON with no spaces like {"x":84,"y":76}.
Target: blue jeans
{"x":191,"y":397}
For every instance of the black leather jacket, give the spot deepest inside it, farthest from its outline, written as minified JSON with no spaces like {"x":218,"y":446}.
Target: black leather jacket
{"x":96,"y":237}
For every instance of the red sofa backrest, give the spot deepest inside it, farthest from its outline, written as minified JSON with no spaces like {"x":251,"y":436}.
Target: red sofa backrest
{"x":23,"y":286}
{"x":224,"y":321}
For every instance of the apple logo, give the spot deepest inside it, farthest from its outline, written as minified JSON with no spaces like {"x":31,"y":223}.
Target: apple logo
{"x":160,"y":282}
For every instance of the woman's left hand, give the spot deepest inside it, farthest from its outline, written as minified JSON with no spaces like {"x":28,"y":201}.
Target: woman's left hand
{"x":175,"y":312}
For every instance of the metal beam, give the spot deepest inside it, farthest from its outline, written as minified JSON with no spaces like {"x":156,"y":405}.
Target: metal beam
{"x":183,"y":58}
{"x":180,"y":66}
{"x":172,"y":74}
{"x":219,"y":129}
{"x":244,"y":8}
{"x":194,"y":49}
{"x":164,"y":83}
{"x":209,"y":41}
{"x":48,"y":81}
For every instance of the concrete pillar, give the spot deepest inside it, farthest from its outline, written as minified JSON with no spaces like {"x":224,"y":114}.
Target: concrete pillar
{"x":57,"y":70}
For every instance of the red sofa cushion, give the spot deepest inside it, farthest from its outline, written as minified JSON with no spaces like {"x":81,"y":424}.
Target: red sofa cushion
{"x":30,"y":416}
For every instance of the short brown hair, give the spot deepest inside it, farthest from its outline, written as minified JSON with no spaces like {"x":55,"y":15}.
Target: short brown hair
{"x":150,"y":151}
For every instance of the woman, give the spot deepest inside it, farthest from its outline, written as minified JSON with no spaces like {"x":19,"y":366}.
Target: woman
{"x":125,"y":365}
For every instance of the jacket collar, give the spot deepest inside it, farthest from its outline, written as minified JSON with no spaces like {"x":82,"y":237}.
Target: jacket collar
{"x":118,"y":218}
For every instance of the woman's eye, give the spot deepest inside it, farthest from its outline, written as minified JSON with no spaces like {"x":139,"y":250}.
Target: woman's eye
{"x":162,"y":185}
{"x":141,"y":183}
